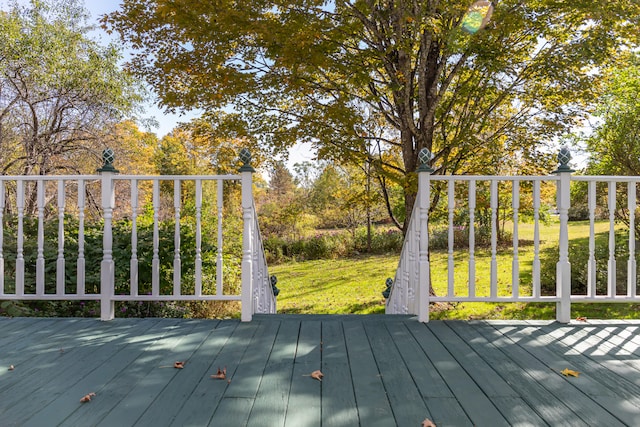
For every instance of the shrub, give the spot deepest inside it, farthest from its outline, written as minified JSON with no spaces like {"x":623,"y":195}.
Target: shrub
{"x":579,"y":258}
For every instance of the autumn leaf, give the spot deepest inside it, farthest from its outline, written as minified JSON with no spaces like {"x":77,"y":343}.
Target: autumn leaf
{"x":178,"y":365}
{"x":581,"y":319}
{"x":568,"y":372}
{"x":87,"y":397}
{"x":317,"y":375}
{"x":221,"y":375}
{"x":428,"y":423}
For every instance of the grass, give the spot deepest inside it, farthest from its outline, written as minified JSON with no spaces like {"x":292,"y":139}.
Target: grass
{"x":355,"y":285}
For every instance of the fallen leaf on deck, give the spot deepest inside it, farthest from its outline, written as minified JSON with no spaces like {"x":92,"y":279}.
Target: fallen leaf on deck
{"x":428,"y":423}
{"x":11,"y":368}
{"x":317,"y":375}
{"x":581,"y":319}
{"x":178,"y":365}
{"x":568,"y":372}
{"x":87,"y":397}
{"x":221,"y":375}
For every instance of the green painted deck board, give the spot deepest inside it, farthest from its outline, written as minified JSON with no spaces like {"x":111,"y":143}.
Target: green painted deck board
{"x":479,"y":407}
{"x":338,"y":397}
{"x":305,"y":392}
{"x":270,"y":406}
{"x":405,"y":398}
{"x":373,"y":405}
{"x":379,"y":371}
{"x":565,"y":389}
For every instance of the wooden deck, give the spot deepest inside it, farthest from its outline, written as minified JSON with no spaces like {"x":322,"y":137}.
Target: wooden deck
{"x":378,"y":371}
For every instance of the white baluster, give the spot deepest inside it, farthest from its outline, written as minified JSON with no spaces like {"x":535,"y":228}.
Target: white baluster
{"x":631,"y":264}
{"x":591,"y":264}
{"x":451,"y":197}
{"x":2,"y":238}
{"x":177,"y":262}
{"x":133,"y":262}
{"x":20,"y":239}
{"x":81,"y":262}
{"x":155,"y":262}
{"x":536,"y":239}
{"x":219,"y":275}
{"x":60,"y":263}
{"x":611,"y":266}
{"x":472,"y":239}
{"x":515,"y":265}
{"x":40,"y":288}
{"x":494,"y":239}
{"x":198,"y":260}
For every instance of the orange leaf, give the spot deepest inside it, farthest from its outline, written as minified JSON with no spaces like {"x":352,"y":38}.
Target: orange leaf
{"x":428,"y":423}
{"x":581,"y":319}
{"x":317,"y":375}
{"x":87,"y":397}
{"x":221,"y":375}
{"x":568,"y":372}
{"x":178,"y":365}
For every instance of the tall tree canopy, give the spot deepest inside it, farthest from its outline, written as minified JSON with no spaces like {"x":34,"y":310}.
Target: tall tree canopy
{"x":60,"y":92}
{"x":316,"y":71}
{"x":614,"y":145}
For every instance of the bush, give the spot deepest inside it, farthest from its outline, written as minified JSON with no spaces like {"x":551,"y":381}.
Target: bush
{"x":579,"y":258}
{"x":439,"y":237}
{"x":332,"y":245}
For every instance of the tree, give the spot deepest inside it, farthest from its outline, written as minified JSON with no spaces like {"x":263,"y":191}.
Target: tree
{"x":614,"y":146}
{"x":60,"y":92}
{"x":309,"y":70}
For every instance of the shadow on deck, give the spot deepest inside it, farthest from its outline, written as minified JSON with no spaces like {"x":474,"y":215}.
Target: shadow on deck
{"x":378,"y":371}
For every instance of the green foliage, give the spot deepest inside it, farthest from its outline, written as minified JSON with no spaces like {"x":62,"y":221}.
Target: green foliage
{"x":121,"y":254}
{"x":61,"y":93}
{"x":318,"y":72}
{"x":333,"y":245}
{"x":615,"y":144}
{"x":579,"y":257}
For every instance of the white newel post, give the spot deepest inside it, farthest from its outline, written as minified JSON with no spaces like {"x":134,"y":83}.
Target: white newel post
{"x":424,"y":195}
{"x":246,"y":172}
{"x":107,"y":266}
{"x":563,"y":267}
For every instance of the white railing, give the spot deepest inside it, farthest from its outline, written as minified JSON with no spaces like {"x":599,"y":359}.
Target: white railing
{"x":24,"y":199}
{"x":410,"y":291}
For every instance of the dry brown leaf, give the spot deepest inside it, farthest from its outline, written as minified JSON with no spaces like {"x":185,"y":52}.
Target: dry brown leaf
{"x":428,"y":423}
{"x":11,"y":368}
{"x":221,"y":375}
{"x":317,"y":375}
{"x":581,"y":319}
{"x":178,"y":365}
{"x":568,"y":372}
{"x":87,"y":397}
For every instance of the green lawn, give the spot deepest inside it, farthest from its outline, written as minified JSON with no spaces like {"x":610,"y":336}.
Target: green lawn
{"x":354,"y":286}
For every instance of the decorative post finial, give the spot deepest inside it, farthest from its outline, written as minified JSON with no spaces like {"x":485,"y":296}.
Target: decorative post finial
{"x":245,"y":158}
{"x":564,"y":156}
{"x":274,"y":280}
{"x":424,"y":158}
{"x":387,"y":291}
{"x":108,"y":157}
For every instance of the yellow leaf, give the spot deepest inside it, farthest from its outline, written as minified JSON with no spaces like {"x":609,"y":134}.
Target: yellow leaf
{"x":568,"y":372}
{"x":221,"y":375}
{"x":317,"y":375}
